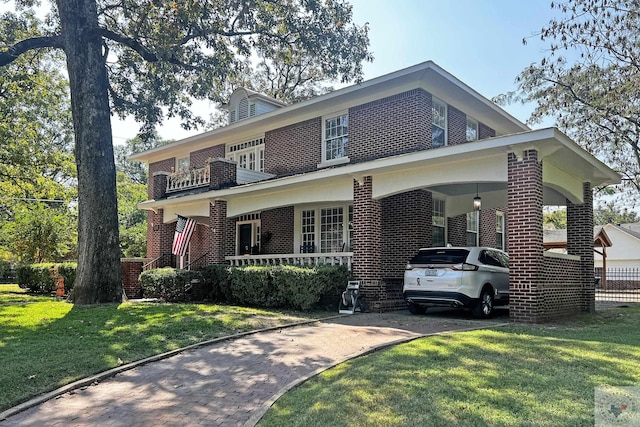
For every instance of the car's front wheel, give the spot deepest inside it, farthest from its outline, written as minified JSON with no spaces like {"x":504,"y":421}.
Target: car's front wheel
{"x":416,"y":309}
{"x":484,"y":307}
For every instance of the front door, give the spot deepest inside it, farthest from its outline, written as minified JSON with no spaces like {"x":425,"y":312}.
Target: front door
{"x":244,"y":239}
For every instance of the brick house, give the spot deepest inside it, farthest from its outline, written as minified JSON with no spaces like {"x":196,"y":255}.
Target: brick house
{"x":367,"y":174}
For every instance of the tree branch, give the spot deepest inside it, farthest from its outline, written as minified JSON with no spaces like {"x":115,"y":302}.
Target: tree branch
{"x":11,"y":54}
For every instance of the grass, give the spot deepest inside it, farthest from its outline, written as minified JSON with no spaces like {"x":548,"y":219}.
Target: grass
{"x":508,"y":376}
{"x":45,"y":343}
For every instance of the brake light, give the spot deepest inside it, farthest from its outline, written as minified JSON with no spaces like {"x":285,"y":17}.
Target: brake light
{"x":464,"y":267}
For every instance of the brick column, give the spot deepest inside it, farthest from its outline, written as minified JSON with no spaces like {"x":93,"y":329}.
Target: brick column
{"x":160,"y":238}
{"x":524,"y":231}
{"x":367,"y":242}
{"x":159,"y":185}
{"x":580,"y":242}
{"x":222,"y":173}
{"x":222,"y":238}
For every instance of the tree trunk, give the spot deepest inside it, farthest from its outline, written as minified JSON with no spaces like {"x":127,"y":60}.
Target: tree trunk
{"x":98,"y":277}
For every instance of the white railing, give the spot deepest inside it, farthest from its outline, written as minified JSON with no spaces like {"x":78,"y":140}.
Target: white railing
{"x":330,"y":258}
{"x":193,"y":178}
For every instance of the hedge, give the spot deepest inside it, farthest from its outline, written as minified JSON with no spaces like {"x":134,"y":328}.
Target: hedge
{"x":279,"y":286}
{"x":38,"y":279}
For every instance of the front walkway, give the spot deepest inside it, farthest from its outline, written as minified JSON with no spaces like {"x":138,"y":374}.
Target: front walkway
{"x":232,"y":382}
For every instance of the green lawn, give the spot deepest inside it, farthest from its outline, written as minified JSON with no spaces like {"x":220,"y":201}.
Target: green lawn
{"x":507,"y":376}
{"x":45,"y":343}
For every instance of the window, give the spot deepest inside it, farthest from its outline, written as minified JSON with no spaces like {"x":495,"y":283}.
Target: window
{"x":439,"y":123}
{"x":325,"y":229}
{"x":472,"y":130}
{"x":472,"y":228}
{"x":336,"y":138}
{"x":438,"y":221}
{"x":308,"y":241}
{"x":182,"y":164}
{"x":248,"y":155}
{"x":499,"y":230}
{"x":331,"y":230}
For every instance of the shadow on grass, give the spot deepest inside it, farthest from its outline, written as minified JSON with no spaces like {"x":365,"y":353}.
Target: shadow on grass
{"x":48,"y":344}
{"x":512,"y":376}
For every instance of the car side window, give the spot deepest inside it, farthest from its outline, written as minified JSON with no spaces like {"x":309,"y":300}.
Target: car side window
{"x":491,"y":258}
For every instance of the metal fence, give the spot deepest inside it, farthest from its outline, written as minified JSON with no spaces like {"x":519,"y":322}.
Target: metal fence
{"x":618,"y":284}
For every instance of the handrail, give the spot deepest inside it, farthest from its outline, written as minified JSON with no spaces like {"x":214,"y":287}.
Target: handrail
{"x":178,"y":181}
{"x":195,"y":261}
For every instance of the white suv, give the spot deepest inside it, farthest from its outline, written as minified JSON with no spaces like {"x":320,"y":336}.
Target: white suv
{"x":469,"y":277}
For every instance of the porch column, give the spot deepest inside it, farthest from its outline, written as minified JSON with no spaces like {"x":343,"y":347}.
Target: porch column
{"x":221,"y":233}
{"x":367,"y":242}
{"x":159,"y":238}
{"x":580,"y":242}
{"x":524,"y":231}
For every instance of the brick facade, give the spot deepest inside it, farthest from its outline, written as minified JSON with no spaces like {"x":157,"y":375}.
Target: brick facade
{"x":280,"y":223}
{"x":388,"y":126}
{"x":457,"y":230}
{"x":456,"y":126}
{"x":162,"y":166}
{"x":198,"y":159}
{"x":222,"y":173}
{"x":293,"y":149}
{"x":406,"y":227}
{"x":221,"y":233}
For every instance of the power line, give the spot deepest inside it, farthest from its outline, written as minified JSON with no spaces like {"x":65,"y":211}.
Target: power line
{"x":24,"y":199}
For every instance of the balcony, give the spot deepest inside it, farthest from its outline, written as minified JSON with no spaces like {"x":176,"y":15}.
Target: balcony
{"x":312,"y":259}
{"x":194,"y":178}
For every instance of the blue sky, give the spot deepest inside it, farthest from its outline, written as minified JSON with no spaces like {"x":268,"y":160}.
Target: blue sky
{"x":478,"y":41}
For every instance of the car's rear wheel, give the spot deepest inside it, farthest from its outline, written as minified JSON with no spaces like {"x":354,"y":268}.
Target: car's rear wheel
{"x":484,"y":307}
{"x":416,"y":309}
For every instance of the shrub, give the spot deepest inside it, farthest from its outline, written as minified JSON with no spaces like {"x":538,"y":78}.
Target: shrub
{"x":215,"y":284}
{"x":168,"y":283}
{"x":7,"y":272}
{"x":289,"y":286}
{"x":36,"y":277}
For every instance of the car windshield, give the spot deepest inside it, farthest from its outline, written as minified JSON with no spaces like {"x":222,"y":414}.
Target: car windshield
{"x":440,"y":256}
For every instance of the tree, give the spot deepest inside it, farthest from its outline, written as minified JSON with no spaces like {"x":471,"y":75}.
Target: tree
{"x":609,"y":213}
{"x":136,"y":56}
{"x":594,"y":97}
{"x":133,"y":221}
{"x":556,"y":220}
{"x":40,"y":233}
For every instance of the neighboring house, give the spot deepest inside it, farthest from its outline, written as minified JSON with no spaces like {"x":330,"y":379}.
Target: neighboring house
{"x":368,"y":174}
{"x":625,"y":246}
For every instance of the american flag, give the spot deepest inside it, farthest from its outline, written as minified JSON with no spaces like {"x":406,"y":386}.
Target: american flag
{"x":184,"y":229}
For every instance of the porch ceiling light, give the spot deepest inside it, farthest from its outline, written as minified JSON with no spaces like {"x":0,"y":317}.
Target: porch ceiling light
{"x":477,"y":201}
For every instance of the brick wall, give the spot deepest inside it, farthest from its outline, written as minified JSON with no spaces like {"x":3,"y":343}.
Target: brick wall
{"x":388,"y":126}
{"x":198,"y":159}
{"x":293,"y":149}
{"x":559,"y":290}
{"x":457,"y":230}
{"x":131,"y":269}
{"x":484,"y":131}
{"x":162,"y":166}
{"x":406,"y":227}
{"x":199,"y":244}
{"x":159,"y":236}
{"x":525,"y":236}
{"x":456,"y":126}
{"x":279,"y":222}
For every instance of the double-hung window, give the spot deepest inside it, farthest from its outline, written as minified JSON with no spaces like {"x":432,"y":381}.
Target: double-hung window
{"x":439,"y":123}
{"x":335,"y":142}
{"x":499,"y":230}
{"x":472,"y":228}
{"x":472,"y":130}
{"x":438,"y":220}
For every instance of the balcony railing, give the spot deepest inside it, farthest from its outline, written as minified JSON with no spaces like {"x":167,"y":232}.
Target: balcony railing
{"x":193,"y":178}
{"x":330,"y":258}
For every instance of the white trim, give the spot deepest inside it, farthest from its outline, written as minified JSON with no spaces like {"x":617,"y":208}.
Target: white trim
{"x":317,"y":208}
{"x":336,"y":160}
{"x":440,"y":103}
{"x":500,"y":214}
{"x":550,"y":254}
{"x":256,"y":225}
